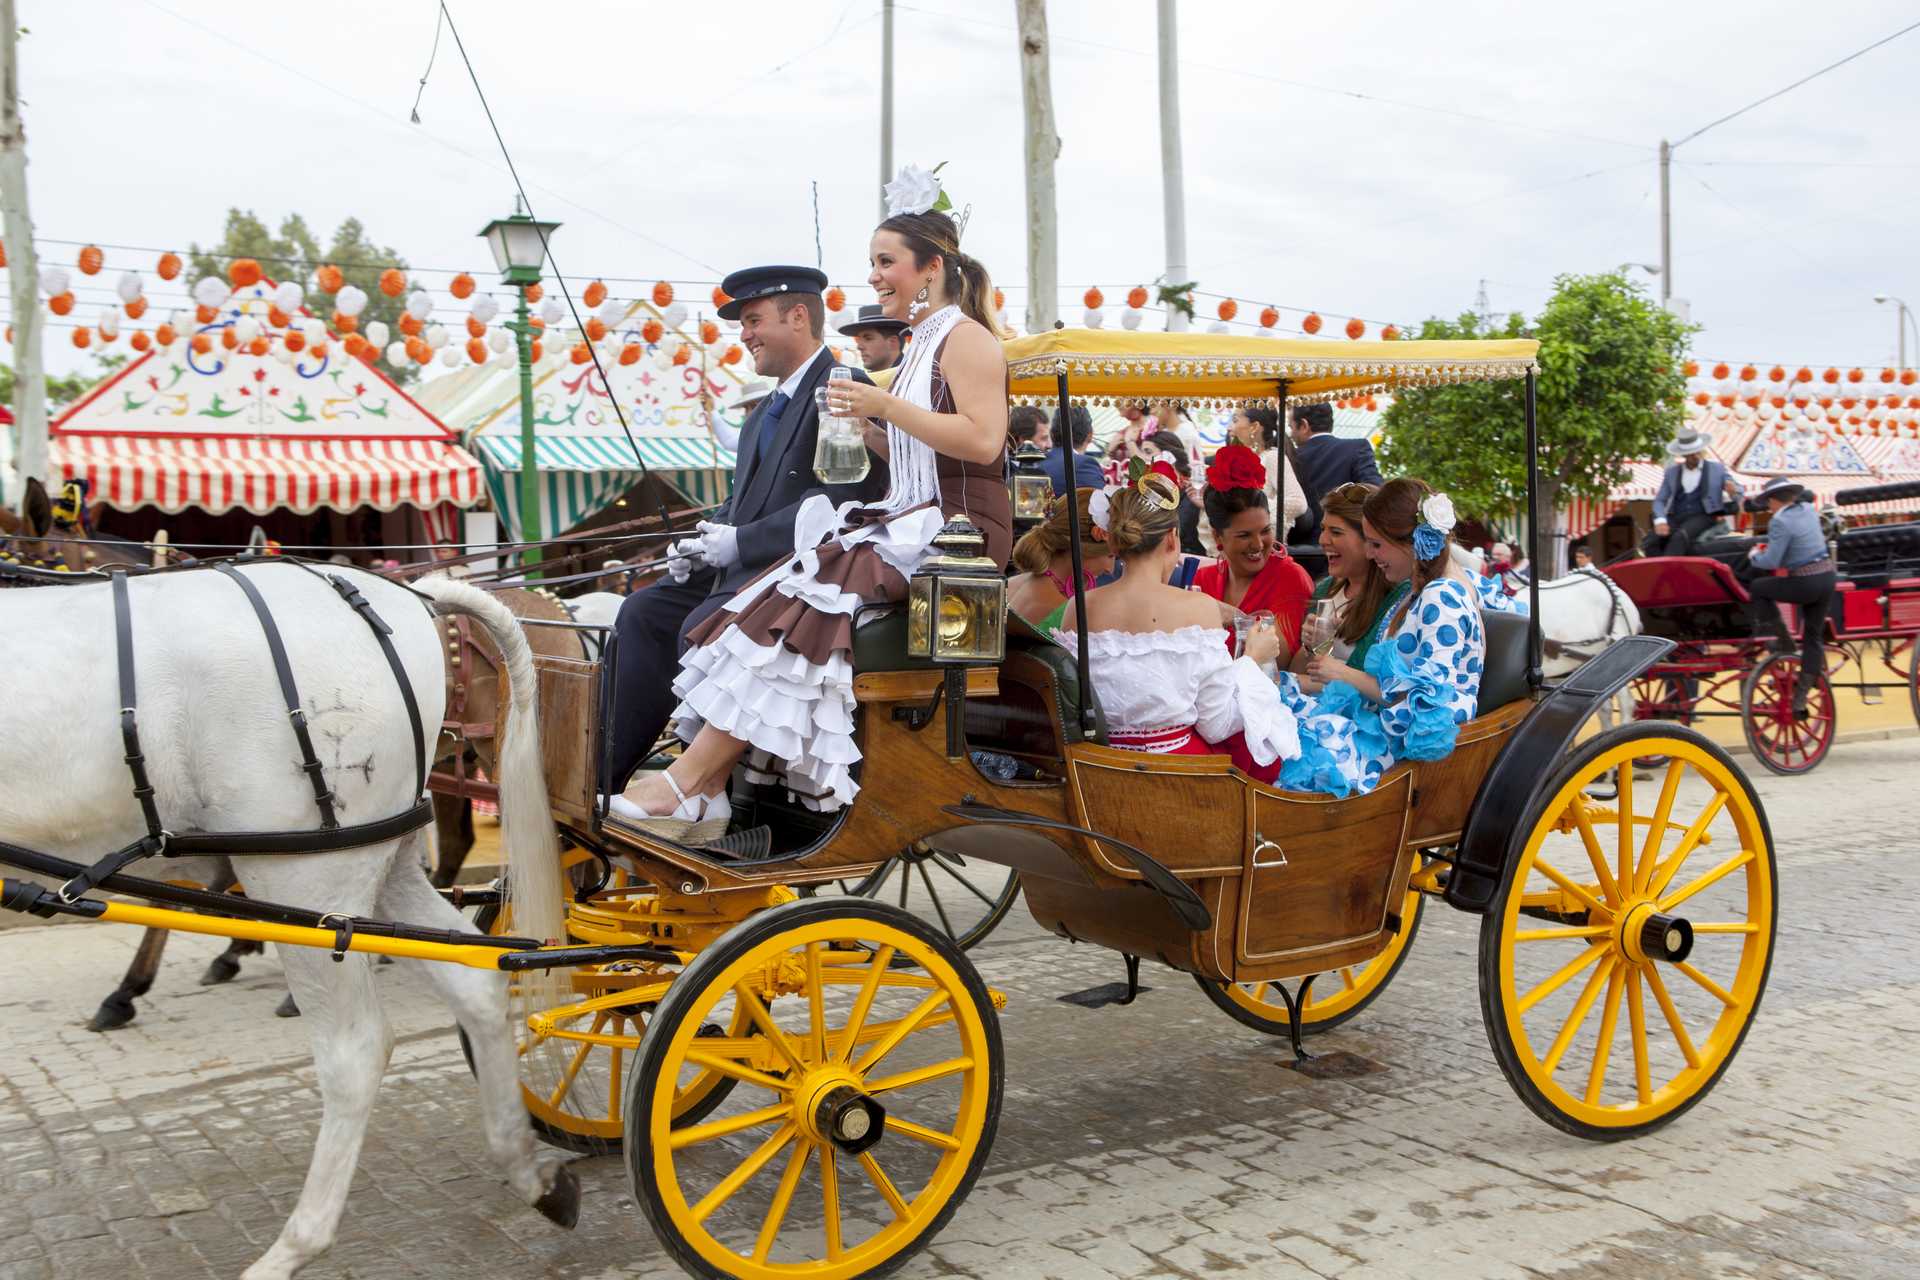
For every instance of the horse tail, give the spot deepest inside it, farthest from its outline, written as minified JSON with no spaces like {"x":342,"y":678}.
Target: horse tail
{"x":526,"y":822}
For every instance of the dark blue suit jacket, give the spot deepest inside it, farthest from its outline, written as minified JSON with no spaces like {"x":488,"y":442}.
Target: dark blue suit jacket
{"x":1324,"y":463}
{"x":1086,"y":472}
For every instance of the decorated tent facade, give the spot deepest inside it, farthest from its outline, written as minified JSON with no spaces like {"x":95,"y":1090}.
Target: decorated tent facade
{"x":259,"y":411}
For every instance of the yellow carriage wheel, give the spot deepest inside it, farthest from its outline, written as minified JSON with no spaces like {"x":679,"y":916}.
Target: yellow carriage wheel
{"x":862,"y":1113}
{"x":1626,"y":957}
{"x":1334,"y":997}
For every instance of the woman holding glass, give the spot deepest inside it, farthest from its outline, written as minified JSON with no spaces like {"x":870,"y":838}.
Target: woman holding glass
{"x":1254,"y":574}
{"x":1348,"y":604}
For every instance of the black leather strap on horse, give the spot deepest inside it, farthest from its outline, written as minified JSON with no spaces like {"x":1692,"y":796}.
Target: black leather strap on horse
{"x":129,"y":706}
{"x":289,"y":693}
{"x":384,"y":633}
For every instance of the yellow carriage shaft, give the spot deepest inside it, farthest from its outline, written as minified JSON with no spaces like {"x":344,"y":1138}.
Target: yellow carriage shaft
{"x":1108,"y":365}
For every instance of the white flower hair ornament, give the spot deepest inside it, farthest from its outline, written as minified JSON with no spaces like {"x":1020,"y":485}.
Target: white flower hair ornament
{"x":916,"y":190}
{"x":1100,"y":511}
{"x":1436,"y":522}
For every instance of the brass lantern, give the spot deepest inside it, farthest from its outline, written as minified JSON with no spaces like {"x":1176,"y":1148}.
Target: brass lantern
{"x":1030,"y":488}
{"x":957,"y":600}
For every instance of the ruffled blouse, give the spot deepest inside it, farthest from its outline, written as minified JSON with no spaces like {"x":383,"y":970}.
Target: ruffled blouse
{"x":1157,"y":680}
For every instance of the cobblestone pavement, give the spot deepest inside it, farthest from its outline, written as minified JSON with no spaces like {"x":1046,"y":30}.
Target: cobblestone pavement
{"x":1157,"y":1140}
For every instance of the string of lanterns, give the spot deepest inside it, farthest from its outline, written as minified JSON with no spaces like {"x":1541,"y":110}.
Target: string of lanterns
{"x":1854,"y":401}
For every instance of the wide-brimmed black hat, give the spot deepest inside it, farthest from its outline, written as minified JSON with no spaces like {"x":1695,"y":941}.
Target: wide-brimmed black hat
{"x":765,"y":282}
{"x":1781,"y":487}
{"x":870,"y":317}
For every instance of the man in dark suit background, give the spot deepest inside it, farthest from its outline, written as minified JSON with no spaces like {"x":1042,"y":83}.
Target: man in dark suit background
{"x":1324,"y":462}
{"x":782,"y":320}
{"x":1071,"y":442}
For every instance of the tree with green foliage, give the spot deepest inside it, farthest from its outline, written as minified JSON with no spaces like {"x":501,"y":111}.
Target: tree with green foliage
{"x":295,"y":253}
{"x":1612,"y":389}
{"x":64,"y":389}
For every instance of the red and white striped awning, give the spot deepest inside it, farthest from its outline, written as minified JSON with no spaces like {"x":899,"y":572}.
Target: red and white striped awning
{"x":260,"y":475}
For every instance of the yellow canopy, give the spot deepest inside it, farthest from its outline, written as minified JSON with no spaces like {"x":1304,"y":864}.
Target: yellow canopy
{"x":1107,"y":365}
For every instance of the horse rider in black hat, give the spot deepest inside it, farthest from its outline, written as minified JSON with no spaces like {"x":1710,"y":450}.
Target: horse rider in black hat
{"x":1794,"y":543}
{"x":782,"y":321}
{"x":878,"y":338}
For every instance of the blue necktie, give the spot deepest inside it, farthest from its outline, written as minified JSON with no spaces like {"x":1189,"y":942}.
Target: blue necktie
{"x":769,"y":419}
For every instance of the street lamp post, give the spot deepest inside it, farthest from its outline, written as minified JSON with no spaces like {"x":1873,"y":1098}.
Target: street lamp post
{"x":519,"y":245}
{"x":1902,"y":318}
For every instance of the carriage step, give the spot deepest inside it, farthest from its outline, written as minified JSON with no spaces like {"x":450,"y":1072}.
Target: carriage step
{"x":752,"y":845}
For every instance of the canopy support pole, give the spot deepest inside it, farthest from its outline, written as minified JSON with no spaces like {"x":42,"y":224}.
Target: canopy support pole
{"x":1079,"y":574}
{"x":1535,"y":676}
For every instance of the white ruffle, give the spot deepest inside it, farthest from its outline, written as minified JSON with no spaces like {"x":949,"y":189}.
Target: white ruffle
{"x":1239,"y":697}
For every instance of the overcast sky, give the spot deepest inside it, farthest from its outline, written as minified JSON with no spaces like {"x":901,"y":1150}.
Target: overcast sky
{"x":1378,"y":160}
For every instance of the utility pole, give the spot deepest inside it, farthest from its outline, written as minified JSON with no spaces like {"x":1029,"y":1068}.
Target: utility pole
{"x":1172,"y":185}
{"x":1043,"y":147}
{"x":886,"y":101}
{"x":1666,"y":223}
{"x":30,"y":376}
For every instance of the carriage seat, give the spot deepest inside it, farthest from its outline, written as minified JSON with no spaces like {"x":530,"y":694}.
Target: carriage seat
{"x":1503,"y":676}
{"x":880,"y":641}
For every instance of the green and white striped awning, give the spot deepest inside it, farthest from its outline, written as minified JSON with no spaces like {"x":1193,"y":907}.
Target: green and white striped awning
{"x":580,"y":474}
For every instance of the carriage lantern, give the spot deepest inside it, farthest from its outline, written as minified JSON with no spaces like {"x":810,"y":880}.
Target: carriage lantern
{"x":1029,"y":487}
{"x":957,"y":600}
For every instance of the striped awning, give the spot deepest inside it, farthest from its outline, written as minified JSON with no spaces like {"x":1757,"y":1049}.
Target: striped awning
{"x":606,"y":453}
{"x":259,"y":475}
{"x":580,"y":475}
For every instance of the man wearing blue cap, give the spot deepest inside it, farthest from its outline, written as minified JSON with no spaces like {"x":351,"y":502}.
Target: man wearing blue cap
{"x":782,"y":320}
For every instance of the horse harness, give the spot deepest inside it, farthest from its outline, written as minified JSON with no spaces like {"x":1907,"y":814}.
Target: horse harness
{"x":331,"y":837}
{"x":1577,"y":648}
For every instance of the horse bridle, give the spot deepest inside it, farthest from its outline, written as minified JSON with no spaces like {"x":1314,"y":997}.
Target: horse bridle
{"x":1577,"y":648}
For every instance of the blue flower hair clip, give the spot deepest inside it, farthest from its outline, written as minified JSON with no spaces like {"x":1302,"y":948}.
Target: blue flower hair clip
{"x":1436,"y":522}
{"x":1428,"y":541}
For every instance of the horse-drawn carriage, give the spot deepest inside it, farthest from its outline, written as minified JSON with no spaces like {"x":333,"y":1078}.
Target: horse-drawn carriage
{"x":811,"y":1085}
{"x":1719,"y":668}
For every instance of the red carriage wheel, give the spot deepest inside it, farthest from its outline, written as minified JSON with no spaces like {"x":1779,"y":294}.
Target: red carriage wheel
{"x":1913,"y":678}
{"x":1782,"y":739}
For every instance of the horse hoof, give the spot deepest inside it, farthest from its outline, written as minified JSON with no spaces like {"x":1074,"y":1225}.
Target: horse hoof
{"x":223,"y":969}
{"x":112,"y":1014}
{"x":287,"y":1009}
{"x":561,"y":1204}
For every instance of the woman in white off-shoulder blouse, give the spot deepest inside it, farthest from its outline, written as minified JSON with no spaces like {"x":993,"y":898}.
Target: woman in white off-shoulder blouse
{"x":1156,"y":653}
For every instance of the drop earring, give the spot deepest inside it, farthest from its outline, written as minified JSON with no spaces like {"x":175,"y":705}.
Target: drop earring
{"x":918,"y":305}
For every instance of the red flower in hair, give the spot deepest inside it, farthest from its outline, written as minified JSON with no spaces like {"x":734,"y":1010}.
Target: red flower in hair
{"x":1165,"y":468}
{"x":1235,"y":466}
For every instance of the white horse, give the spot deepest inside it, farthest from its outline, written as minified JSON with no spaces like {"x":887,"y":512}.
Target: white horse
{"x":221,"y":757}
{"x":1580,"y":615}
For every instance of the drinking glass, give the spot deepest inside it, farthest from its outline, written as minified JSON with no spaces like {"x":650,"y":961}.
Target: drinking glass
{"x":1246,"y":623}
{"x":1321,"y":630}
{"x":839,"y":373}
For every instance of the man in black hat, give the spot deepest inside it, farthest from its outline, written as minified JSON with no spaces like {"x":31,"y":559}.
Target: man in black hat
{"x":782,"y":320}
{"x":1796,"y":545}
{"x":878,"y":337}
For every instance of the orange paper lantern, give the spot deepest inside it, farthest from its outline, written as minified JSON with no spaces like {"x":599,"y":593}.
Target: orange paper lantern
{"x":3,"y":262}
{"x":475,"y":329}
{"x":1702,"y":398}
{"x":61,"y":304}
{"x":294,"y":340}
{"x":418,"y":349}
{"x":836,"y":298}
{"x":136,"y":308}
{"x":1269,"y":317}
{"x":651,"y":331}
{"x":318,"y":350}
{"x":630,"y":353}
{"x":1227,"y":309}
{"x":1137,"y":296}
{"x":107,"y":337}
{"x":596,"y":329}
{"x":596,"y":293}
{"x":343,"y":323}
{"x":141,"y":341}
{"x":393,"y":282}
{"x":580,"y":354}
{"x":229,"y":339}
{"x":1776,"y":374}
{"x":662,"y":294}
{"x":1747,"y":373}
{"x":1312,"y":323}
{"x":1804,"y":374}
{"x":330,"y":279}
{"x":353,"y":343}
{"x":720,"y":297}
{"x":1094,"y":298}
{"x":731,"y":355}
{"x":682,"y":355}
{"x":461,"y":286}
{"x":82,"y":337}
{"x":244,"y":272}
{"x":201,"y":344}
{"x":205,"y":315}
{"x":276,"y":318}
{"x":1831,"y":375}
{"x":1906,"y":377}
{"x":258,"y":346}
{"x":1693,"y":368}
{"x":1389,"y":334}
{"x":999,"y":299}
{"x":1720,"y":371}
{"x":91,"y":260}
{"x":535,"y":351}
{"x":535,"y":293}
{"x":410,"y":324}
{"x":165,"y":335}
{"x":476,"y":351}
{"x":1854,"y":375}
{"x":169,"y":266}
{"x":1356,"y":327}
{"x":709,"y":333}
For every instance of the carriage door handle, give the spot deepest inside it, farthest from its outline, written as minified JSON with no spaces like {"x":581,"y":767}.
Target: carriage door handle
{"x":1261,"y":846}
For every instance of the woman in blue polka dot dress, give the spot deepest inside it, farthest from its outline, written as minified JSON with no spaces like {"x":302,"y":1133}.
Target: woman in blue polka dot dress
{"x":1421,"y":679}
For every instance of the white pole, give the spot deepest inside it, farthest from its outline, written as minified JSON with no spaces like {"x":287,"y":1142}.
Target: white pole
{"x":1043,"y":147}
{"x":1666,"y":223}
{"x":886,"y":100}
{"x":30,"y":375}
{"x":1172,"y":185}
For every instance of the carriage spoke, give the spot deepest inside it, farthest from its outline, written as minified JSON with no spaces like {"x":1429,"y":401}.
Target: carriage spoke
{"x":732,"y":1124}
{"x":1674,"y":1024}
{"x":938,"y":907}
{"x":830,"y":1199}
{"x":1566,"y":974}
{"x":1579,"y":891}
{"x":884,"y":1185}
{"x":573,"y":1064}
{"x":782,"y":1199}
{"x":969,"y":885}
{"x":1346,"y":978}
{"x":1711,"y":878}
{"x":757,"y":1011}
{"x":1707,"y":984}
{"x":613,"y":1073}
{"x":816,"y":1008}
{"x":1581,"y":1008}
{"x":868,"y":989}
{"x":1657,"y":833}
{"x":1688,"y":843}
{"x":920,"y":1133}
{"x":900,"y":1031}
{"x":1595,"y":854}
{"x":738,"y":1071}
{"x":1637,"y":1017}
{"x":1624,"y":876}
{"x":747,"y":1168}
{"x":1609,"y":1023}
{"x":920,"y":1075}
{"x":1548,"y":935}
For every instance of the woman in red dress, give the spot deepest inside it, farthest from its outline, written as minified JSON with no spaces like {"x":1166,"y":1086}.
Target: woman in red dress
{"x":1254,"y":574}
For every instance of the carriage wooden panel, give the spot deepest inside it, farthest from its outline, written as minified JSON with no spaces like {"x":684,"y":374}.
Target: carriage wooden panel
{"x":1132,"y":795}
{"x":569,"y":724}
{"x":1443,"y":790}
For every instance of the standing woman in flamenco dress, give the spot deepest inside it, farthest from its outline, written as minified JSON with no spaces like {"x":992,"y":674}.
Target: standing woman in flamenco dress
{"x":772,"y":669}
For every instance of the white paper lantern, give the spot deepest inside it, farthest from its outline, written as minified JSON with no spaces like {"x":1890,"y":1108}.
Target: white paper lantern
{"x":1218,"y":326}
{"x":675,"y":315}
{"x":55,"y":281}
{"x":312,"y":330}
{"x":397,"y":355}
{"x":1094,"y":318}
{"x":109,"y":322}
{"x":377,"y":333}
{"x":450,"y":357}
{"x":210,"y":291}
{"x":350,"y":301}
{"x":1131,"y":317}
{"x":436,"y":336}
{"x":288,"y":296}
{"x":128,"y":286}
{"x":281,"y":354}
{"x":551,"y":311}
{"x":246,"y":329}
{"x":485,"y":308}
{"x":504,"y":360}
{"x":499,"y":340}
{"x":419,"y":305}
{"x":1263,"y":332}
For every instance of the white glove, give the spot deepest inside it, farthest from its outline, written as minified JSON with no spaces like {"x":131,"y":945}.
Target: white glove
{"x":719,"y":544}
{"x":686,"y":558}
